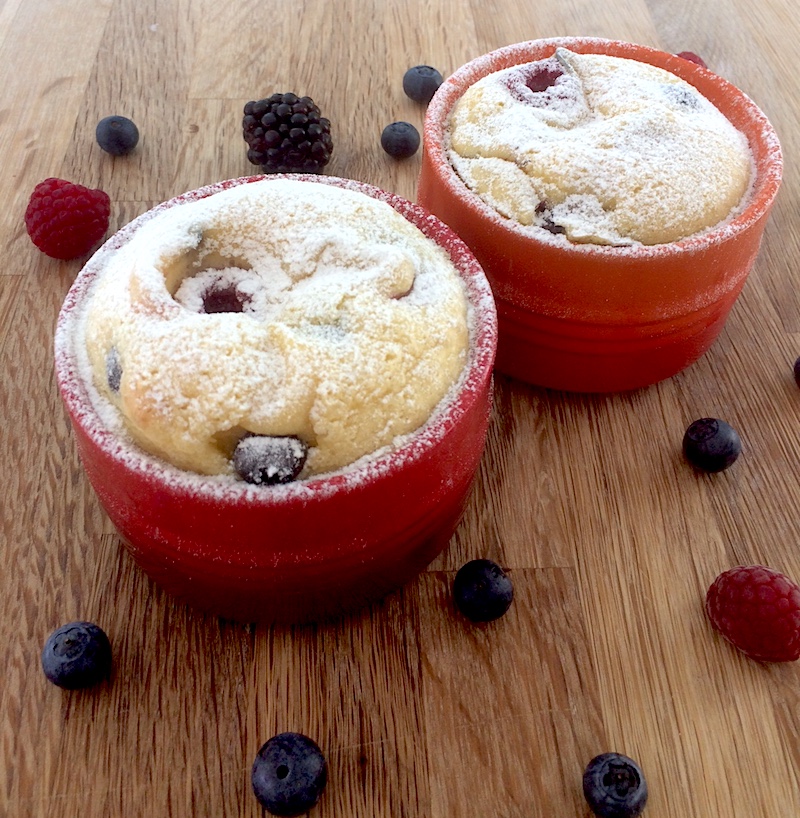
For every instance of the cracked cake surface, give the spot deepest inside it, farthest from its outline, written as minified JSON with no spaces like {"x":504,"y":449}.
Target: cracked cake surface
{"x":600,"y":149}
{"x":277,"y":308}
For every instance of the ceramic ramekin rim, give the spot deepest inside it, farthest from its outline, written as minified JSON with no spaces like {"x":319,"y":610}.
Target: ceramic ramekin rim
{"x":767,"y":178}
{"x":475,"y":376}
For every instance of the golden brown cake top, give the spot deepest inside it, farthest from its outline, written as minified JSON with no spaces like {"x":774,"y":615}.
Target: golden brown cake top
{"x":276,"y":308}
{"x":601,"y":149}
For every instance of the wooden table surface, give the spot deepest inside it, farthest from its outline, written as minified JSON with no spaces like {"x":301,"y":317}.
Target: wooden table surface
{"x":610,"y":538}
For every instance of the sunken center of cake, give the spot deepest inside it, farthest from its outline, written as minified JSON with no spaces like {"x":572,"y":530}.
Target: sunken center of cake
{"x":282,"y":309}
{"x":599,"y":149}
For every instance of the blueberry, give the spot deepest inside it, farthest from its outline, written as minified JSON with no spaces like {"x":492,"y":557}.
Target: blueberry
{"x":797,"y":371}
{"x":77,"y":655}
{"x":482,"y":591}
{"x":289,"y":774}
{"x":113,"y":369}
{"x":614,"y":786}
{"x":711,"y":444}
{"x":420,"y":83}
{"x":265,"y":460}
{"x":681,"y":97}
{"x":117,"y":135}
{"x":400,"y":139}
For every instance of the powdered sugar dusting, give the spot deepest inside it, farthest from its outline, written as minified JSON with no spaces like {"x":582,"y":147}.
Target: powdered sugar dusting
{"x":277,"y":308}
{"x":734,"y":104}
{"x":97,"y":415}
{"x":600,"y":149}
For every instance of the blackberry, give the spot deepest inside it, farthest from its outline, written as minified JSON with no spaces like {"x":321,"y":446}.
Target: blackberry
{"x":614,"y":786}
{"x":286,"y":134}
{"x":711,"y":444}
{"x":77,"y":655}
{"x":482,"y":590}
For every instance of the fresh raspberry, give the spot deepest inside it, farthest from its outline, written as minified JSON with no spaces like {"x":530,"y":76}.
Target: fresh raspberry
{"x":65,"y":220}
{"x":692,"y":57}
{"x":757,"y":609}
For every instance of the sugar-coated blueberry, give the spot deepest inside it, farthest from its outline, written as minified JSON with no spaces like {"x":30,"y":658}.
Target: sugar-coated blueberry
{"x":400,"y":139}
{"x":420,"y":83}
{"x":482,"y":591}
{"x":113,"y":369}
{"x":117,"y":135}
{"x":265,"y":460}
{"x":711,"y":444}
{"x":77,"y":655}
{"x":614,"y":786}
{"x":289,"y":774}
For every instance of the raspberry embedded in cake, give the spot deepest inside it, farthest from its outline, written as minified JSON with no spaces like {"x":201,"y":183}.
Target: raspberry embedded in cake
{"x":536,"y":83}
{"x":221,"y":297}
{"x":217,"y":291}
{"x":540,"y":78}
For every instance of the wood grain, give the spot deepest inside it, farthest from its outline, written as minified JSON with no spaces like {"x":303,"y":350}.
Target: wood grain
{"x":610,"y":538}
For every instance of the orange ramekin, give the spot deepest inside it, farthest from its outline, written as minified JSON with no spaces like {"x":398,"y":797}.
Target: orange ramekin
{"x":592,"y":318}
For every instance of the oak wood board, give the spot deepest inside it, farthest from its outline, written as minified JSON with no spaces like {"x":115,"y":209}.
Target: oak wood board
{"x":610,"y":538}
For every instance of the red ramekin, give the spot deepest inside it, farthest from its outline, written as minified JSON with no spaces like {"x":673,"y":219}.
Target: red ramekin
{"x":307,"y":550}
